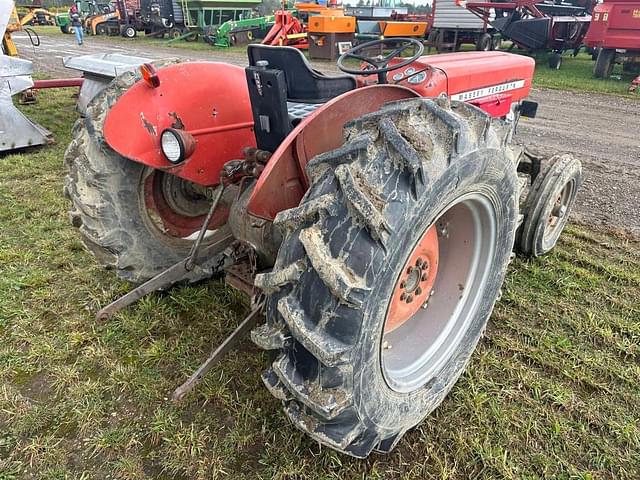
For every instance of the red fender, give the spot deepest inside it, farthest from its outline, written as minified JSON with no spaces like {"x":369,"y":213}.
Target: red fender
{"x":283,"y":182}
{"x":209,"y":100}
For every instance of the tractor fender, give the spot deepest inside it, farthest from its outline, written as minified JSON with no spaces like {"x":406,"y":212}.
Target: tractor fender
{"x":208,"y":100}
{"x":284,"y":180}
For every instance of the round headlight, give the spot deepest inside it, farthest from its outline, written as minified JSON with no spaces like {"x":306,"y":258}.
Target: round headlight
{"x":172,"y":146}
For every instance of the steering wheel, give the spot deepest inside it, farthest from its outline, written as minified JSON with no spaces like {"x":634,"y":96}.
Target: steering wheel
{"x":380,"y":63}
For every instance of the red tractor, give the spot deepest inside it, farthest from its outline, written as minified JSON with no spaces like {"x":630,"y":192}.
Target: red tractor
{"x":371,"y":216}
{"x":615,"y":32}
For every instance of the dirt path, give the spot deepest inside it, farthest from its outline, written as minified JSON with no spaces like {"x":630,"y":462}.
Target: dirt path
{"x":602,"y":130}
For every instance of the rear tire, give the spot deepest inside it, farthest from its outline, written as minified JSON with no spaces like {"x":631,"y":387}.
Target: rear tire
{"x":605,"y":63}
{"x":109,"y":200}
{"x":549,"y":203}
{"x":401,"y":170}
{"x":102,"y":29}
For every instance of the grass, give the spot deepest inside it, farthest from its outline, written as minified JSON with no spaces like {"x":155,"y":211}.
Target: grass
{"x":576,"y":74}
{"x":552,"y":392}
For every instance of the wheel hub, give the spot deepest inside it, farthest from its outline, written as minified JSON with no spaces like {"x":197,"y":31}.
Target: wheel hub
{"x":176,"y":207}
{"x":415,"y":284}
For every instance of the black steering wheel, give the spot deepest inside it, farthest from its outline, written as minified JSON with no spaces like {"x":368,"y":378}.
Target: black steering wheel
{"x":380,"y":63}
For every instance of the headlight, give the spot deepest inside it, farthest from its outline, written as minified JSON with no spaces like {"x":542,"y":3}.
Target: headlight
{"x":176,"y":145}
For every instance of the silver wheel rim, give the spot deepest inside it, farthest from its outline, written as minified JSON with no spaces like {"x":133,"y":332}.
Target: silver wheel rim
{"x":558,"y":216}
{"x":415,"y":352}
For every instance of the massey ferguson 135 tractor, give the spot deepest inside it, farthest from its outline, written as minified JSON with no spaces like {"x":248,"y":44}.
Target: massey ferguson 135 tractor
{"x":371,"y":216}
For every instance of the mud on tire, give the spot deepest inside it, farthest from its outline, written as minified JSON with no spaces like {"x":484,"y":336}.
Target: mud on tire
{"x":344,"y":246}
{"x":106,"y":201}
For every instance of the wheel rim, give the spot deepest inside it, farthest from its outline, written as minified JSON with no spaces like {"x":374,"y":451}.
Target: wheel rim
{"x":459,"y":247}
{"x":175,"y":209}
{"x":558,"y":215}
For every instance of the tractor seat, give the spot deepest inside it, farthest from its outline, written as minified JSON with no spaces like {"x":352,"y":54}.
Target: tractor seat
{"x":304,"y":84}
{"x":284,"y":89}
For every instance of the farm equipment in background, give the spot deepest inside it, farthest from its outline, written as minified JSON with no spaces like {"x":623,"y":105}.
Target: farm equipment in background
{"x":328,"y":33}
{"x":12,"y":24}
{"x":452,"y":27}
{"x":615,"y":32}
{"x":385,"y":20}
{"x":290,"y":25}
{"x":16,"y":130}
{"x":535,"y":26}
{"x":63,"y":20}
{"x":36,"y":15}
{"x":104,"y":19}
{"x":370,"y":217}
{"x":239,"y":32}
{"x":188,"y":19}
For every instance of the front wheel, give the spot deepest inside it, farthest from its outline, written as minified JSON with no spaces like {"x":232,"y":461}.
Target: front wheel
{"x":549,"y":203}
{"x":388,"y":272}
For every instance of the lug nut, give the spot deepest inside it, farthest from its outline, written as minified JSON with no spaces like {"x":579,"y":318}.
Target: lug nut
{"x":424,"y":277}
{"x":418,"y":262}
{"x":409,"y":298}
{"x":403,"y":296}
{"x":418,"y":291}
{"x":424,"y":266}
{"x":409,"y":270}
{"x":403,"y":284}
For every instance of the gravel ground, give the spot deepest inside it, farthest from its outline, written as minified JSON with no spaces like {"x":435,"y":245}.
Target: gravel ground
{"x":602,"y":130}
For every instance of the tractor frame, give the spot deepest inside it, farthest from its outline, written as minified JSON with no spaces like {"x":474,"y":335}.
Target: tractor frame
{"x":261,"y":150}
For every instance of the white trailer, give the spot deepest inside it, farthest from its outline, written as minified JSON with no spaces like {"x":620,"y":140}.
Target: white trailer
{"x":454,"y":25}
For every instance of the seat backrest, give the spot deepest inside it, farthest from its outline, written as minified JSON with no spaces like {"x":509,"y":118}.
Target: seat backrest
{"x":304,"y":84}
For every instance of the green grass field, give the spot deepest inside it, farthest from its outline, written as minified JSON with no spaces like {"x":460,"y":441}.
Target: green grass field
{"x":575,"y":73}
{"x":552,"y":392}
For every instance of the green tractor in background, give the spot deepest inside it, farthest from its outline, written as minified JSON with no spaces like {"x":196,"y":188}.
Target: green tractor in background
{"x":63,"y":20}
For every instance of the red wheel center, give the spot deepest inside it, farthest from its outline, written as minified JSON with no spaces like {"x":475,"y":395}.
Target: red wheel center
{"x":415,"y":284}
{"x":175,"y":223}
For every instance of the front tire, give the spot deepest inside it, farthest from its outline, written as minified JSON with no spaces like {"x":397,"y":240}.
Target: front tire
{"x":549,"y":203}
{"x":414,"y":168}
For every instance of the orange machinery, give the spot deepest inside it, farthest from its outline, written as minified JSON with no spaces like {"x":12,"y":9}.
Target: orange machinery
{"x":330,"y":34}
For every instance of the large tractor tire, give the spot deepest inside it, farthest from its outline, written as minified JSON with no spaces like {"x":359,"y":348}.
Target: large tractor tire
{"x":388,"y":271}
{"x":134,"y":219}
{"x":605,"y":63}
{"x":549,"y":203}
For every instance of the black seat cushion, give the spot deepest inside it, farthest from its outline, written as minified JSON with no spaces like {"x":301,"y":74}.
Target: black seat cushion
{"x":304,"y":84}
